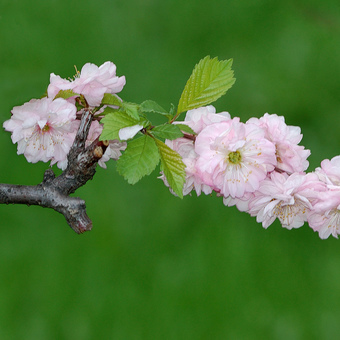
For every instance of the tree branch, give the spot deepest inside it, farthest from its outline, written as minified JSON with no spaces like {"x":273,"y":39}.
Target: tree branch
{"x":53,"y":192}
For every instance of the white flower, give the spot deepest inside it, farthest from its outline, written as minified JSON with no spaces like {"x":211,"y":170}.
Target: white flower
{"x":44,"y":129}
{"x":92,"y":82}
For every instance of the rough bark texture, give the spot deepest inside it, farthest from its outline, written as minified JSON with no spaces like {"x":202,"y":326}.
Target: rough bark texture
{"x":53,"y":192}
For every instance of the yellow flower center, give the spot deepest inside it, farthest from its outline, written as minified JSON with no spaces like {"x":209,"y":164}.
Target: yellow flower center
{"x":45,"y":128}
{"x":235,"y":157}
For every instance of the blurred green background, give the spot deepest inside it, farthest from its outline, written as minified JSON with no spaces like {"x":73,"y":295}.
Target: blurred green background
{"x":155,"y":266}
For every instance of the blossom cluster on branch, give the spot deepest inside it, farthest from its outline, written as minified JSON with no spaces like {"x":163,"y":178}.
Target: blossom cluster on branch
{"x":258,"y":166}
{"x":45,"y":128}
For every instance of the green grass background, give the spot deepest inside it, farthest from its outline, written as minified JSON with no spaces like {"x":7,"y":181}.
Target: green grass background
{"x":155,"y":266}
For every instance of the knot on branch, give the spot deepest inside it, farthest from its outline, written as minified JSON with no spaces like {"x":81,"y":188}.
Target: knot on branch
{"x":49,"y":176}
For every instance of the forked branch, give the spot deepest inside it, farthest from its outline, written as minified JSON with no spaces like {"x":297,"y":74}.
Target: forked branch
{"x":53,"y":192}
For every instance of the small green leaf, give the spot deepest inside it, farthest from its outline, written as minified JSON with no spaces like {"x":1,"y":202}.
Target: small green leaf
{"x":172,"y":167}
{"x":131,"y":109}
{"x":167,"y":131}
{"x":186,"y":128}
{"x":111,"y":99}
{"x":139,"y":159}
{"x":209,"y":81}
{"x":65,"y":94}
{"x":113,"y":122}
{"x":149,"y":106}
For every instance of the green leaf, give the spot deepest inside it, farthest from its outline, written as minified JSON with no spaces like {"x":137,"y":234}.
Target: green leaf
{"x":113,"y":122}
{"x":131,"y":109}
{"x":139,"y":159}
{"x":65,"y":94}
{"x":111,"y":99}
{"x":149,"y":106}
{"x":186,"y":128}
{"x":172,"y":167}
{"x":167,"y":131}
{"x":209,"y":81}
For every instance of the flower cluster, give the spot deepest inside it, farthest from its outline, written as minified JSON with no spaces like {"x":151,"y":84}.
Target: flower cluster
{"x":260,"y":167}
{"x":45,"y":128}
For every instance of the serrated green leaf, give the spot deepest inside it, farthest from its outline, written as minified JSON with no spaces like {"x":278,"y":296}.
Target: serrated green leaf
{"x":209,"y":81}
{"x":139,"y":159}
{"x":167,"y":131}
{"x":111,"y":99}
{"x":131,"y":109}
{"x":150,"y":106}
{"x":186,"y":128}
{"x":113,"y":122}
{"x":172,"y":167}
{"x":65,"y":94}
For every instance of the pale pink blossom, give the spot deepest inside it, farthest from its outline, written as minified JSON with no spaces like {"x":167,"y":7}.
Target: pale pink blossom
{"x":57,"y":84}
{"x":286,"y":197}
{"x":325,"y":216}
{"x":234,"y":157}
{"x":199,"y":118}
{"x":113,"y":151}
{"x":242,"y":204}
{"x":43,"y":128}
{"x":329,"y":172}
{"x":92,"y":82}
{"x":291,"y":157}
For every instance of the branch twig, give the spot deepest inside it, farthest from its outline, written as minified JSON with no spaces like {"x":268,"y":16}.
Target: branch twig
{"x":53,"y":192}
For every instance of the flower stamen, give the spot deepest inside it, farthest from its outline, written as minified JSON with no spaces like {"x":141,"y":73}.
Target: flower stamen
{"x":46,"y":128}
{"x":235,"y":157}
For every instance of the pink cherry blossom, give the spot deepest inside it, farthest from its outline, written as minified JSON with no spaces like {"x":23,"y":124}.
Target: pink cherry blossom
{"x":288,"y":198}
{"x":92,"y":82}
{"x":234,"y":157}
{"x":242,"y":204}
{"x":199,"y":118}
{"x":330,"y":171}
{"x":113,"y":151}
{"x":56,"y":84}
{"x":291,"y":157}
{"x":43,"y":128}
{"x":325,"y":216}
